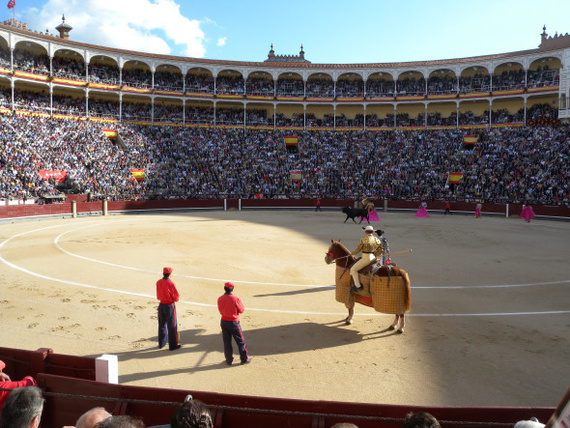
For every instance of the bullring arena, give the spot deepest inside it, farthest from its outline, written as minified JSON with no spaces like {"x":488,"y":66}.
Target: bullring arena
{"x":489,"y":324}
{"x":166,"y":140}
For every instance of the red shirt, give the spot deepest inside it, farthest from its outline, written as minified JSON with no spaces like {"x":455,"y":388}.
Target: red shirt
{"x":27,"y":381}
{"x":166,"y":291}
{"x":230,"y":307}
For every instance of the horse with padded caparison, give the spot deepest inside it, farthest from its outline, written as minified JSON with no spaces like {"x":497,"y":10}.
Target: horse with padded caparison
{"x":386,"y":288}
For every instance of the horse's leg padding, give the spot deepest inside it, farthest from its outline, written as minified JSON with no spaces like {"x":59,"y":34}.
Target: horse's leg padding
{"x":342,"y":290}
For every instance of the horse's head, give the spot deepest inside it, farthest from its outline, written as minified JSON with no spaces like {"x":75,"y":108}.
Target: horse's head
{"x":337,"y":251}
{"x":329,"y":255}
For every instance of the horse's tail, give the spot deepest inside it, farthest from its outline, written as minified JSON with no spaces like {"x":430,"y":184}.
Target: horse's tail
{"x":408,"y":292}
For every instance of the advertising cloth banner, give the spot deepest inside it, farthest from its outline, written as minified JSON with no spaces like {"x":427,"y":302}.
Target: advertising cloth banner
{"x":57,"y":175}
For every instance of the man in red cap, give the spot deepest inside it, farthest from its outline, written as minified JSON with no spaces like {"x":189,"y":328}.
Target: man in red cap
{"x":230,"y":308}
{"x":6,"y":384}
{"x":167,"y":294}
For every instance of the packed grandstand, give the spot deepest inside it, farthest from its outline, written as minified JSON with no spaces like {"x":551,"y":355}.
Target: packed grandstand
{"x":485,"y":129}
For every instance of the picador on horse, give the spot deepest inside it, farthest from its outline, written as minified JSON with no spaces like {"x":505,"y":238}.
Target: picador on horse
{"x":371,"y":247}
{"x":385,"y":287}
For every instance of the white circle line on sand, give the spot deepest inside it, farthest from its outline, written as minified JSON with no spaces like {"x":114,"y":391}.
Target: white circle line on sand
{"x":201,"y":278}
{"x":128,"y":293}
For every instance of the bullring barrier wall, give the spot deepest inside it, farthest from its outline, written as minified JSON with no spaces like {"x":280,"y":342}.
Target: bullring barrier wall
{"x":78,"y":204}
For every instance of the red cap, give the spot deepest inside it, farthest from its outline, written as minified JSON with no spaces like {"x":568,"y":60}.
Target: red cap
{"x":2,"y":365}
{"x":167,"y":270}
{"x":229,"y":285}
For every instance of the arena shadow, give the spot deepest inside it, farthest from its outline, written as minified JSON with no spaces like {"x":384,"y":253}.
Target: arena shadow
{"x":262,"y":342}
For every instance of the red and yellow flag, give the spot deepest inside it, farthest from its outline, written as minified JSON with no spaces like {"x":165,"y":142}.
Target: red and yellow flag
{"x":454,"y":177}
{"x":138,"y":174}
{"x":469,"y":139}
{"x":291,"y":141}
{"x":110,"y":133}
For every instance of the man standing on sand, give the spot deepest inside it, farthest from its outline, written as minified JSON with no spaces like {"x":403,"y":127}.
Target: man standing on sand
{"x":167,"y":294}
{"x":230,"y":308}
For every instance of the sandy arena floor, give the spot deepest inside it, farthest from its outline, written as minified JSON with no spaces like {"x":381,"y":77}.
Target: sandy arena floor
{"x":489,"y":325}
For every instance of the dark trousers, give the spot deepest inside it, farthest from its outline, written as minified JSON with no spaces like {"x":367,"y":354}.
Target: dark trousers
{"x":233,"y":329}
{"x":167,"y":326}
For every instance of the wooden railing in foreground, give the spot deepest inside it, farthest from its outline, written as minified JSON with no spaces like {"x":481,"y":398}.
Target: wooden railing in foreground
{"x":70,"y":390}
{"x":67,"y":398}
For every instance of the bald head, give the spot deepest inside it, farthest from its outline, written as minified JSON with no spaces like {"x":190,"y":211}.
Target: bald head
{"x":92,"y":417}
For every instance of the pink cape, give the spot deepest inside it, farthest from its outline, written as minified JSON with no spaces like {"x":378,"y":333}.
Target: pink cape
{"x":422,"y":212}
{"x":372,"y":216}
{"x":527,"y":213}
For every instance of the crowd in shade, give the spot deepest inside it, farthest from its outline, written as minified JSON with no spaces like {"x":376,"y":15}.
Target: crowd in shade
{"x":167,"y":111}
{"x":168,"y":80}
{"x":506,"y":165}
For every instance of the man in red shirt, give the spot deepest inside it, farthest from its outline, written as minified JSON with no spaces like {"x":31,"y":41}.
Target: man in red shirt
{"x":167,"y":294}
{"x":7,"y":383}
{"x":230,"y":307}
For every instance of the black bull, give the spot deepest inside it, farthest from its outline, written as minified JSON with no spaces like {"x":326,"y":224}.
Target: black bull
{"x":356,"y":212}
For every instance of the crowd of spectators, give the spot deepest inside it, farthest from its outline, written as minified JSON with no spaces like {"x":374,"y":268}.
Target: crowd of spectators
{"x":380,"y":88}
{"x":512,"y":79}
{"x":260,"y":86}
{"x":199,"y":83}
{"x":163,"y":110}
{"x":319,"y":87}
{"x":168,"y":80}
{"x":68,"y":68}
{"x":346,"y":88}
{"x":137,"y":77}
{"x":507,"y":165}
{"x":104,"y":108}
{"x":137,"y":111}
{"x":170,"y":113}
{"x":104,"y":73}
{"x":411,"y":84}
{"x":289,"y":87}
{"x":31,"y":62}
{"x":5,"y":61}
{"x":441,"y":84}
{"x":230,"y":85}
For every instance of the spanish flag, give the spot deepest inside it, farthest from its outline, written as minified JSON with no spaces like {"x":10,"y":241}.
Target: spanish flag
{"x":454,"y":177}
{"x":469,"y":142}
{"x":292,"y":144}
{"x":291,"y":141}
{"x":111,"y":134}
{"x":138,"y":174}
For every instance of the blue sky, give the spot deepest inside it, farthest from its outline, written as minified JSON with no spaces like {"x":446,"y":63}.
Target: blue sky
{"x":362,"y":31}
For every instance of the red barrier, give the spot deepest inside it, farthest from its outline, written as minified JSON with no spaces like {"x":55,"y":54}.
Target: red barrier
{"x":21,"y":363}
{"x":96,"y":207}
{"x":68,"y":398}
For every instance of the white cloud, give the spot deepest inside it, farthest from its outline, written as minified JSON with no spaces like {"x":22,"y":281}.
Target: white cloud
{"x":154,"y":26}
{"x":222,"y":41}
